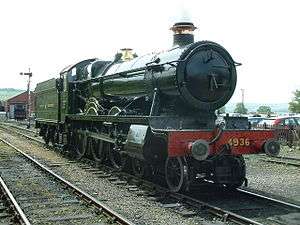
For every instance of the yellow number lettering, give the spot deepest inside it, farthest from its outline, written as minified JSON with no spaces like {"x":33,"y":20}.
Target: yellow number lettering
{"x":235,"y":142}
{"x":238,"y":142}
{"x":230,"y":142}
{"x":247,"y":142}
{"x":242,"y":141}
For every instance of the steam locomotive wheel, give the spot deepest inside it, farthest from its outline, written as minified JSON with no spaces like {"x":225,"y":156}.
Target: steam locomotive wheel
{"x":139,"y":168}
{"x":239,"y":166}
{"x":79,"y":146}
{"x":46,"y":137}
{"x":98,"y":150}
{"x":57,"y":135}
{"x":176,"y":173}
{"x":242,"y":173}
{"x":117,"y":159}
{"x":52,"y":136}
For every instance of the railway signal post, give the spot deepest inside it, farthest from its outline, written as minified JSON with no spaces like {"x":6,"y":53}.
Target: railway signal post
{"x":29,"y":74}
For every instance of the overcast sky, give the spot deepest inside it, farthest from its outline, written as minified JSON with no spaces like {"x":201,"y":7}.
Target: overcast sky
{"x":51,"y":34}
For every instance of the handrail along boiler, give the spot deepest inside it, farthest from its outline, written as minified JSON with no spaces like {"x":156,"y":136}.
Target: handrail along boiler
{"x":154,"y":114}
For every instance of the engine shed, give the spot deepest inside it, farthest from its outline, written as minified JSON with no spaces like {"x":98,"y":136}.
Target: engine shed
{"x":16,"y":106}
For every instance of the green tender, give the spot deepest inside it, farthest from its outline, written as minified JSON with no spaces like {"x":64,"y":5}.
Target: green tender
{"x":46,"y":100}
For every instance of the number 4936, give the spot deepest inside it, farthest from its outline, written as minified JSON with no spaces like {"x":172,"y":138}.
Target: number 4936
{"x":239,"y":142}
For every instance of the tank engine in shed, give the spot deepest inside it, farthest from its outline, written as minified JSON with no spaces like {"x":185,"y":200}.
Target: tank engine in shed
{"x":154,"y":114}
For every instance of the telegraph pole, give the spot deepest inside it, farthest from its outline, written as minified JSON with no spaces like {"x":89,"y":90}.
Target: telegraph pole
{"x":29,"y":74}
{"x":243,"y":95}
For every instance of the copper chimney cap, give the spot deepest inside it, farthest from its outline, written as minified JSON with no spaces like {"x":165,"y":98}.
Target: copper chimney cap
{"x":183,"y":28}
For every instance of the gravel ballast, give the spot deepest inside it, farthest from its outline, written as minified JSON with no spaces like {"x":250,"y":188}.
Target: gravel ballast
{"x":276,"y":180}
{"x":135,"y":207}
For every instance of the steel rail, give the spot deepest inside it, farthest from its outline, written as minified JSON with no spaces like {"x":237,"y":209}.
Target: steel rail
{"x":288,"y":158}
{"x":20,"y":128}
{"x":90,"y":199}
{"x":219,"y":212}
{"x":24,"y":135}
{"x":281,"y":162}
{"x":224,"y":214}
{"x":279,"y":157}
{"x":20,"y":214}
{"x":269,"y":199}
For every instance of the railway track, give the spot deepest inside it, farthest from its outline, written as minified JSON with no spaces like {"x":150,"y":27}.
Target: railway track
{"x":47,"y":198}
{"x":283,"y":160}
{"x":240,"y":207}
{"x":19,"y":127}
{"x":30,"y":134}
{"x":234,"y":207}
{"x":255,"y":207}
{"x":10,"y":211}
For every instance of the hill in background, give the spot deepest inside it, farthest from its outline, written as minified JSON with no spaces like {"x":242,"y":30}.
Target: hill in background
{"x":6,"y":93}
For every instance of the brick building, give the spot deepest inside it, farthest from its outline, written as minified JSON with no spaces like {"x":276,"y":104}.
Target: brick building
{"x":16,"y":106}
{"x":2,"y":106}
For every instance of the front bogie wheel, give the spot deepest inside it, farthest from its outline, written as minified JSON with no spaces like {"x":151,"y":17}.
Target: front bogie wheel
{"x":140,"y":168}
{"x":176,"y":173}
{"x":117,"y":159}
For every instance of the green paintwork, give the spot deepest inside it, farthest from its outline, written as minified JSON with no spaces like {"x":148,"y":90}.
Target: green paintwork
{"x":64,"y":97}
{"x":46,"y":100}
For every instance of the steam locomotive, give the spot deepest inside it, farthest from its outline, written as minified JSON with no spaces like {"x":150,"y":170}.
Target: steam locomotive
{"x":154,"y":114}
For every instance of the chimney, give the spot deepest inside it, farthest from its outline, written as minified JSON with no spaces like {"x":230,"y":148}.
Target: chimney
{"x":183,"y":33}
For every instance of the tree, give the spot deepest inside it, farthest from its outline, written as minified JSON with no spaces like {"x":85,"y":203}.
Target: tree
{"x":294,"y":106}
{"x":264,"y":109}
{"x":240,"y":108}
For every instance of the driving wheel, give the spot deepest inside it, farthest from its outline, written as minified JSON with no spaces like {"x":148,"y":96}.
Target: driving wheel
{"x":117,"y":159}
{"x":79,"y":146}
{"x":176,"y":172}
{"x":98,"y":150}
